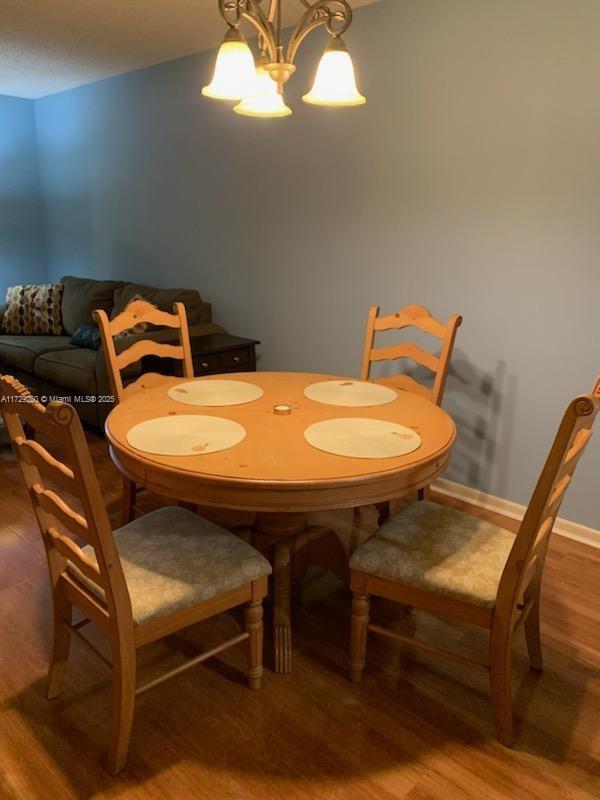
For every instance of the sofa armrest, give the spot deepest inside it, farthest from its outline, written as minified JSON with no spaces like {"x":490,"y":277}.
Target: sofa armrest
{"x":204,"y":315}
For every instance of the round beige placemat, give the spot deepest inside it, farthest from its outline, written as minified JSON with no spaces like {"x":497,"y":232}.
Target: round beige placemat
{"x":357,"y":437}
{"x":185,"y":435}
{"x":215,"y":393}
{"x":355,"y":394}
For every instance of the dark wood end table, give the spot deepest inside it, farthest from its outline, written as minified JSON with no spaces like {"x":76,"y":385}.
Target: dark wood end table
{"x":221,"y":352}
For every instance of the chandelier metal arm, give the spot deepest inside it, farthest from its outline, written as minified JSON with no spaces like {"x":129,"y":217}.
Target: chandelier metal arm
{"x":255,"y":15}
{"x":233,"y":11}
{"x":336,"y":15}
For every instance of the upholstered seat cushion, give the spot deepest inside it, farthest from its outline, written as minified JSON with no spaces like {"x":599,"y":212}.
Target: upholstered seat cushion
{"x":172,"y":558}
{"x":439,"y":549}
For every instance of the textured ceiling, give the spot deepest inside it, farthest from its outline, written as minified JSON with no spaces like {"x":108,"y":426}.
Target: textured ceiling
{"x":48,"y":46}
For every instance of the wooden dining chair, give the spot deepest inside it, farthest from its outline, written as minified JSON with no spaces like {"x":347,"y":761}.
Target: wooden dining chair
{"x":410,"y":317}
{"x":158,"y":574}
{"x":450,"y":563}
{"x":141,"y":313}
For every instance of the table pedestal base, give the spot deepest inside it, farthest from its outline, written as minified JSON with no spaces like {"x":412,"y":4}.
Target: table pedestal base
{"x":292,"y":546}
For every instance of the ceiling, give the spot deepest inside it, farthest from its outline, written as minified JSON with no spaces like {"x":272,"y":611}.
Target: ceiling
{"x":48,"y":46}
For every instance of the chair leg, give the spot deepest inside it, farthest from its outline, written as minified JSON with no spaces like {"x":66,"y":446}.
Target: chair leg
{"x":358,"y":635}
{"x":384,"y":511}
{"x":123,"y":705}
{"x":253,"y":624}
{"x":61,"y":643}
{"x":500,"y":685}
{"x":532,"y":635}
{"x":128,"y":501}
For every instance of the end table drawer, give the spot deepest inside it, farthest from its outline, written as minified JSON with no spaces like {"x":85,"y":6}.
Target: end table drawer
{"x":221,"y":353}
{"x":209,"y":363}
{"x":235,"y":358}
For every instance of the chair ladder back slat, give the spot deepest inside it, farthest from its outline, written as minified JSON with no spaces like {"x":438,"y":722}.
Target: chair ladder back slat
{"x":578,"y":447}
{"x":543,"y":534}
{"x":529,"y":572}
{"x":412,"y":317}
{"x":558,"y":493}
{"x":407,"y":350}
{"x":139,"y":311}
{"x":56,"y":507}
{"x":147,"y":347}
{"x":89,"y":604}
{"x":73,"y":553}
{"x":37,"y":456}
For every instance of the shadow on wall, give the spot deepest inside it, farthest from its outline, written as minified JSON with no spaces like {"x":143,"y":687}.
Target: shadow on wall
{"x":478,"y":401}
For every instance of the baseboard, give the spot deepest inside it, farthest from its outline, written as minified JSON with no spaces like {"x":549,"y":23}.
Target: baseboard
{"x":497,"y":505}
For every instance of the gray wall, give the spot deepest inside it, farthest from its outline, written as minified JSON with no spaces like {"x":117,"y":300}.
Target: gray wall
{"x":22,"y":258}
{"x":469,"y":183}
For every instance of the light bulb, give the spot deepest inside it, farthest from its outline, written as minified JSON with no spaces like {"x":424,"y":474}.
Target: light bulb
{"x":335,"y":82}
{"x":265,"y":99}
{"x":234,"y":75}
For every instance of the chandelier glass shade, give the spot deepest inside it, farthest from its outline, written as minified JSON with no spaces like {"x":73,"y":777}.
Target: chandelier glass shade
{"x":234,"y":75}
{"x":265,"y":100}
{"x":260,"y":87}
{"x":335,"y":82}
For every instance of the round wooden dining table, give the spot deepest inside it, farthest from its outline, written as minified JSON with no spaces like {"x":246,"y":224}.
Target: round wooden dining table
{"x":277,"y":474}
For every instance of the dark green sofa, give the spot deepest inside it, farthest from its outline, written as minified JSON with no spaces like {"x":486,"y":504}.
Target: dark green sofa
{"x":50,"y":366}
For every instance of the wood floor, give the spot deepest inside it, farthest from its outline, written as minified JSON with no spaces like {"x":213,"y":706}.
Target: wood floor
{"x":416,"y":728}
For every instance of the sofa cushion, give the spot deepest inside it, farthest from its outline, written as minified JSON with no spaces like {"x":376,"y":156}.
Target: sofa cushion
{"x":33,"y":310}
{"x":22,"y":351}
{"x":163,"y":298}
{"x":81,"y":296}
{"x":73,"y":369}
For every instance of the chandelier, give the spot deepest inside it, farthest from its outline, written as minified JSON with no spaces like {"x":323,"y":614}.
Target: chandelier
{"x":258,"y":86}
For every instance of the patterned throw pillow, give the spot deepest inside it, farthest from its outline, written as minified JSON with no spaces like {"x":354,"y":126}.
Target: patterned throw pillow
{"x":32,"y":310}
